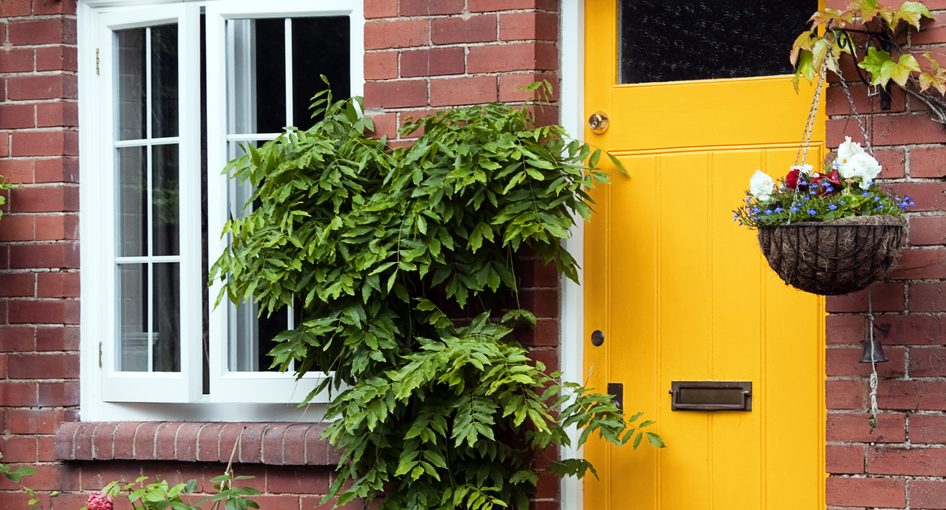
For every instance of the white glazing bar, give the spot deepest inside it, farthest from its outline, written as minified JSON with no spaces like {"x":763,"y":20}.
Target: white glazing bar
{"x":289,"y":119}
{"x":146,"y":259}
{"x":252,"y":137}
{"x":147,"y":212}
{"x":144,"y":141}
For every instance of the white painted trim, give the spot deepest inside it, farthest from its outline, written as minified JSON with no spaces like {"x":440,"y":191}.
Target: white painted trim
{"x":572,"y":307}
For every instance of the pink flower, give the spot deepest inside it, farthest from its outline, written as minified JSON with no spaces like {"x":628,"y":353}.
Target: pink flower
{"x":99,"y":501}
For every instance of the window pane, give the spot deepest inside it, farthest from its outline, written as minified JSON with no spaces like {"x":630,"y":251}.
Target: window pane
{"x":131,"y":83}
{"x":167,"y":317}
{"x":258,"y":93}
{"x":320,"y":45}
{"x":164,"y":81}
{"x":133,"y":317}
{"x":165,"y":215}
{"x":132,"y":201}
{"x":671,"y":40}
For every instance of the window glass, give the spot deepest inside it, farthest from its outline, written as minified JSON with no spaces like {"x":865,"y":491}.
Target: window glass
{"x":165,"y":207}
{"x":320,"y":46}
{"x":163,"y":81}
{"x":672,"y":40}
{"x":132,"y":69}
{"x":132,"y":201}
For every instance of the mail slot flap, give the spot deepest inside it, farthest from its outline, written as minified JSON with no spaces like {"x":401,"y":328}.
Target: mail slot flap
{"x":711,"y":395}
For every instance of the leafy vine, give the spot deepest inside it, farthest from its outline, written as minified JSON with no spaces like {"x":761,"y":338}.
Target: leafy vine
{"x":386,"y":251}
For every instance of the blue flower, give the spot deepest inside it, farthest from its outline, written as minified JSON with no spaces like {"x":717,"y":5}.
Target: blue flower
{"x":865,"y":194}
{"x":880,"y":206}
{"x":812,"y":212}
{"x":876,"y":199}
{"x":778,"y":208}
{"x":842,"y":202}
{"x":768,"y":212}
{"x":832,"y":206}
{"x":782,"y":187}
{"x":794,"y":209}
{"x":828,"y":188}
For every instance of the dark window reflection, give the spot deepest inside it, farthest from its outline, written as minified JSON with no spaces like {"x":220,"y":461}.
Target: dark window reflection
{"x":167,"y":318}
{"x":132,"y":107}
{"x":319,"y":46}
{"x":270,"y":75}
{"x":164,"y":81}
{"x":671,"y":40}
{"x":165,"y":193}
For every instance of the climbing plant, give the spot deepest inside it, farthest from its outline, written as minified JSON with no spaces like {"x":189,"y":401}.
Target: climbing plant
{"x":404,"y":262}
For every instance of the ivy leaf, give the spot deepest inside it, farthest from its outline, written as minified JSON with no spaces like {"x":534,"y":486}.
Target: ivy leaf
{"x":875,"y":62}
{"x":805,"y":67}
{"x":911,"y":12}
{"x":901,"y":71}
{"x":936,"y":79}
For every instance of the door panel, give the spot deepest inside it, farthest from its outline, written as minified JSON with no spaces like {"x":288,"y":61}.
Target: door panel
{"x":683,"y":293}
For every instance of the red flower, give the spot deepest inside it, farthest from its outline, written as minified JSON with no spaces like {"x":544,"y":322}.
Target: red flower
{"x":99,"y":501}
{"x":832,"y":179}
{"x":791,"y":180}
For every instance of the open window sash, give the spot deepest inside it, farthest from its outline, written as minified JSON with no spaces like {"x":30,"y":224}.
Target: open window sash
{"x":233,"y":56}
{"x":146,"y":267}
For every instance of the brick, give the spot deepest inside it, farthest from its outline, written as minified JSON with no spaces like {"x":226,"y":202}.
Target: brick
{"x":16,"y":116}
{"x":912,"y":329}
{"x":316,"y":449}
{"x":18,"y":394}
{"x":18,"y":285}
{"x":19,"y":449}
{"x":927,"y":162}
{"x":841,"y":394}
{"x":927,"y":230}
{"x":208,"y":443}
{"x":927,"y":297}
{"x":58,"y":338}
{"x":892,"y":162}
{"x":920,"y":263}
{"x":13,"y":8}
{"x":44,"y":199}
{"x":928,"y":361}
{"x":884,"y":297}
{"x":872,"y":492}
{"x":512,"y":57}
{"x":65,"y":441}
{"x":53,"y":86}
{"x":929,"y":196}
{"x":547,"y":357}
{"x":57,"y":285}
{"x":383,"y":35}
{"x":123,"y":443}
{"x":889,"y":460}
{"x":44,"y":256}
{"x":44,"y":449}
{"x":145,"y":440}
{"x":43,"y":366}
{"x":459,"y":30}
{"x":927,"y":494}
{"x":844,"y":329}
{"x":57,"y":170}
{"x":891,"y":428}
{"x":57,"y":114}
{"x":541,"y":26}
{"x":294,"y":445}
{"x":293,"y":480}
{"x":432,"y":62}
{"x":45,"y":478}
{"x":165,"y":440}
{"x":509,"y":5}
{"x":17,"y":60}
{"x":16,"y":228}
{"x":912,"y":395}
{"x":381,"y":65}
{"x":44,"y":143}
{"x":380,"y":9}
{"x":33,"y":421}
{"x":57,"y":58}
{"x":896,"y":130}
{"x":57,"y":227}
{"x":385,"y":124}
{"x":844,"y":459}
{"x":17,"y":171}
{"x":186,"y":442}
{"x":430,"y":7}
{"x":229,"y":438}
{"x":17,"y":338}
{"x":102,"y":440}
{"x":544,"y":334}
{"x":272,"y":444}
{"x":58,"y":7}
{"x":542,"y":302}
{"x":508,"y":83}
{"x":251,"y":444}
{"x":836,"y":102}
{"x":396,"y":94}
{"x":460,"y":91}
{"x":927,"y":429}
{"x":46,"y":31}
{"x":844,"y":362}
{"x":59,"y":394}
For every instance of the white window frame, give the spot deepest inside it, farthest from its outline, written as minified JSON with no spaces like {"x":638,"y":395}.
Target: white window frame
{"x":106,"y":394}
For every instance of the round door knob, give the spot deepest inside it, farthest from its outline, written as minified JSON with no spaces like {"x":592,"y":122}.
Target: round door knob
{"x":598,"y":122}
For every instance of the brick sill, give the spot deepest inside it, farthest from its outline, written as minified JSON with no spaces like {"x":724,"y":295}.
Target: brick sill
{"x":279,"y":444}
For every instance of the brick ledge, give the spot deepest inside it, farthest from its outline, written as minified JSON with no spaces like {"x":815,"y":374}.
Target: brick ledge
{"x":286,"y":444}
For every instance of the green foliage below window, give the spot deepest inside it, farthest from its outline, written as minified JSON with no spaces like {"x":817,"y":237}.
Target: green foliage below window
{"x":434,"y":412}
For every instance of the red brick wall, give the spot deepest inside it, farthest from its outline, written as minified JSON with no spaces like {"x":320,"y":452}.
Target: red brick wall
{"x":420,"y":55}
{"x":903,"y":463}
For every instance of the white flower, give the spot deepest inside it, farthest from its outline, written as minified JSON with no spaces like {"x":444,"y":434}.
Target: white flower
{"x":860,"y":167}
{"x":805,"y":170}
{"x":761,"y":186}
{"x":847,"y":150}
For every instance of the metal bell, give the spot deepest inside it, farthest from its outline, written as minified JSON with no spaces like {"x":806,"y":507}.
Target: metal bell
{"x":878,"y":352}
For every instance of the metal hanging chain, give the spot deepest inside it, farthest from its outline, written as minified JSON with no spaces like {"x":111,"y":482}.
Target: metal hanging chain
{"x":802,"y":153}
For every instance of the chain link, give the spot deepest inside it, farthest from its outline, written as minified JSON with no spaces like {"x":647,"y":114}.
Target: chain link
{"x":802,"y":154}
{"x":857,"y":117}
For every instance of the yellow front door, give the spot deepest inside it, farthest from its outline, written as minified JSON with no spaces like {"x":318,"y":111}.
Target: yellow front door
{"x":682,"y":293}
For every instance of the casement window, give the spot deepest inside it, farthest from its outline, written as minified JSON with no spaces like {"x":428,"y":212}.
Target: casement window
{"x":168,"y":94}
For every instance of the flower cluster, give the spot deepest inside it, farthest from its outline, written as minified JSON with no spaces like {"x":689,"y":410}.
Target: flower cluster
{"x":99,"y":501}
{"x":843,"y":189}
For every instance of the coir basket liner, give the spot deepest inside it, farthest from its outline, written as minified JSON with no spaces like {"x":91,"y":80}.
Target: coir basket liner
{"x":835,"y":257}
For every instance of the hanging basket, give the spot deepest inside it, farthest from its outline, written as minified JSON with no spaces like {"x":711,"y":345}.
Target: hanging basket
{"x":836,"y":257}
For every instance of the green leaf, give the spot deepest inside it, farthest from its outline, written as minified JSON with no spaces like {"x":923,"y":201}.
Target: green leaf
{"x":655,"y":440}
